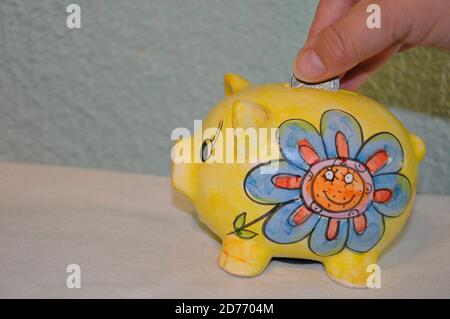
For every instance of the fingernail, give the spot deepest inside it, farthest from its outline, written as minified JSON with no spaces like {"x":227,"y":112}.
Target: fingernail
{"x":309,"y":66}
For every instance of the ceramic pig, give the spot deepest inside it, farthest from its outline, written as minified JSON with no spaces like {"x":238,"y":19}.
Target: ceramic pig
{"x":337,"y":188}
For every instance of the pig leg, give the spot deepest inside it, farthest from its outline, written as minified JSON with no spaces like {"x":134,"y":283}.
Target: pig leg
{"x":353,"y":270}
{"x":244,"y":257}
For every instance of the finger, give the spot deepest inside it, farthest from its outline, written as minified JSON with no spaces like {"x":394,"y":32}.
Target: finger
{"x":406,"y":47}
{"x":328,"y":12}
{"x":348,"y":41}
{"x":355,"y":77}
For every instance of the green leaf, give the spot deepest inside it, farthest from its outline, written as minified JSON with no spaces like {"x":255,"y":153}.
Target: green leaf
{"x":246,"y":234}
{"x":239,"y":221}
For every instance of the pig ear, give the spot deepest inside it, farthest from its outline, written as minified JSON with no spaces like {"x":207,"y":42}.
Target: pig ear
{"x":247,"y":114}
{"x":233,"y":83}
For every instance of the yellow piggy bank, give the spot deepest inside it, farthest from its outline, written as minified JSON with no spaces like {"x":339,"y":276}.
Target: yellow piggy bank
{"x":311,"y":174}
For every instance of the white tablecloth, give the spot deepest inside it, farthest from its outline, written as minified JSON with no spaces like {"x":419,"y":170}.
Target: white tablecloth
{"x":132,"y":236}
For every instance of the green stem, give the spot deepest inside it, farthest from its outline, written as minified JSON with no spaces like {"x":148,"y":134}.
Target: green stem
{"x":269,"y":213}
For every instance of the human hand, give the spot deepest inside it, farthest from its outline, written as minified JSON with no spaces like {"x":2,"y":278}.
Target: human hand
{"x":341,"y":44}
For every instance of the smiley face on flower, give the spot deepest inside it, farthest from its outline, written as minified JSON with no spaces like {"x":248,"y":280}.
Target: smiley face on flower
{"x":337,"y":188}
{"x":331,"y":186}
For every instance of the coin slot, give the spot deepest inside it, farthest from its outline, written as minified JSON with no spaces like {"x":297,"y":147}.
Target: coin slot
{"x":349,"y":92}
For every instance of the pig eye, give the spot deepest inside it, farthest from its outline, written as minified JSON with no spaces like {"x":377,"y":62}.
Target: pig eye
{"x":208,"y":144}
{"x":348,"y":178}
{"x":329,"y":175}
{"x":206,"y":150}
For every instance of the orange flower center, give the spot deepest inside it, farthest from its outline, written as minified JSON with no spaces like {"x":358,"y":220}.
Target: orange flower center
{"x":338,"y":188}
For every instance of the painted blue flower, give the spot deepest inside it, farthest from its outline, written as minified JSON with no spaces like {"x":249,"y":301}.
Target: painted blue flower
{"x":331,"y":186}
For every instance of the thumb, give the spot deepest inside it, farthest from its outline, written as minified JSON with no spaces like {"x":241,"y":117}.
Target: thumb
{"x":347,"y":42}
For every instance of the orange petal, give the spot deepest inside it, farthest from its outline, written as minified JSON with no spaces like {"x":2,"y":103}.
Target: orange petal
{"x":377,"y":161}
{"x":360,"y":223}
{"x":307,"y":152}
{"x":301,"y":215}
{"x":333,"y":228}
{"x":382,"y":195}
{"x":341,"y":145}
{"x":287,"y":181}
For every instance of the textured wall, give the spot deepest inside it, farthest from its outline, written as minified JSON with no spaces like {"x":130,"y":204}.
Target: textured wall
{"x":108,"y":95}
